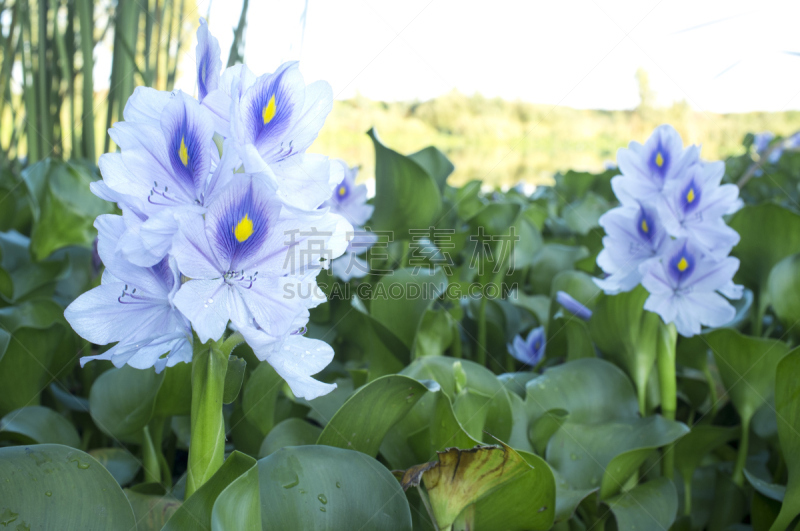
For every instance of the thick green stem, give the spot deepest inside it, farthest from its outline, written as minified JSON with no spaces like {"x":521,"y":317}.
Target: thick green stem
{"x":480,"y":355}
{"x":152,"y":471}
{"x":687,"y":497}
{"x":207,"y":448}
{"x":667,"y":341}
{"x":641,"y":393}
{"x":741,"y":458}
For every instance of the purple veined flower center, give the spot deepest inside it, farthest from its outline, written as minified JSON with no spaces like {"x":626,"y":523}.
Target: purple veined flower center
{"x":240,"y":278}
{"x":690,"y":197}
{"x":342,"y":191}
{"x":241,"y":229}
{"x":659,"y":160}
{"x":645,"y":225}
{"x":681,"y":265}
{"x":185,"y":154}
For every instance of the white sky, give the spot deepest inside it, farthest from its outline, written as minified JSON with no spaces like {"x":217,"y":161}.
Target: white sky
{"x":719,"y":55}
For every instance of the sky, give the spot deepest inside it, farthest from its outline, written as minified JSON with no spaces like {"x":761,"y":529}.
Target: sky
{"x":718,"y":55}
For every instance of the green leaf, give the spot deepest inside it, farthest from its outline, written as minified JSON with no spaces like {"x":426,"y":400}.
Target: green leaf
{"x":363,"y":421}
{"x":402,"y":315}
{"x":651,"y":505}
{"x":627,"y":334}
{"x":435,"y":163}
{"x":238,"y":507}
{"x":768,"y":233}
{"x":290,"y":432}
{"x":38,"y":425}
{"x":121,"y":401}
{"x":174,"y":396}
{"x":607,"y":454}
{"x":783,"y":287}
{"x":551,"y":260}
{"x":260,"y":395}
{"x":695,"y":445}
{"x":37,"y":329}
{"x":435,"y":333}
{"x":590,"y":390}
{"x":787,"y":406}
{"x":747,"y":367}
{"x":772,"y":491}
{"x":315,"y":487}
{"x":64,"y":209}
{"x":51,"y":485}
{"x":195,"y":512}
{"x":406,"y":196}
{"x":583,"y":215}
{"x":527,"y":503}
{"x":28,"y":278}
{"x":119,"y":462}
{"x":567,"y":498}
{"x":233,"y":379}
{"x":479,"y":379}
{"x":460,"y":478}
{"x":152,"y":511}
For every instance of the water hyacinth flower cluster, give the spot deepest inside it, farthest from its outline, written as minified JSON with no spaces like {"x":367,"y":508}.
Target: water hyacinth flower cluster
{"x":222,"y":208}
{"x":669,"y":233}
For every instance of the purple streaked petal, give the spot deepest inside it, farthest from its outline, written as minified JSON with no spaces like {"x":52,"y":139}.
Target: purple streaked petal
{"x":188,"y":130}
{"x":209,"y":63}
{"x":193,"y":252}
{"x":270,"y":108}
{"x":240,"y":221}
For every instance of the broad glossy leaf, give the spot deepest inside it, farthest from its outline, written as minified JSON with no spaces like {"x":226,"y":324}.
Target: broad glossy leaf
{"x":527,"y":503}
{"x":174,"y":396}
{"x":552,"y":259}
{"x":435,"y":163}
{"x":747,"y":367}
{"x":238,"y":506}
{"x":590,"y":390}
{"x":478,"y":378}
{"x":37,"y":328}
{"x":406,"y":196}
{"x":651,"y":505}
{"x":49,"y":485}
{"x":315,"y":487}
{"x":787,"y":406}
{"x":583,"y":215}
{"x":38,"y":425}
{"x":259,"y":397}
{"x":152,"y":511}
{"x":63,"y":207}
{"x":363,"y":421}
{"x":122,"y":400}
{"x":435,"y":333}
{"x":289,"y":432}
{"x":627,"y":334}
{"x":768,"y":233}
{"x":461,"y":477}
{"x":693,"y":447}
{"x":783,"y":286}
{"x":195,"y":512}
{"x":119,"y":462}
{"x":607,"y":454}
{"x":399,"y":302}
{"x":567,"y":498}
{"x":28,"y":279}
{"x":772,"y":491}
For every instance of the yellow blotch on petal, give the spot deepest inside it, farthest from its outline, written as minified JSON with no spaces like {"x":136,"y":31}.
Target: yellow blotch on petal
{"x":342,"y":191}
{"x":683,"y":265}
{"x":659,"y":159}
{"x":690,"y":195}
{"x":243,"y":229}
{"x":268,"y":112}
{"x":645,"y":228}
{"x":183,"y":153}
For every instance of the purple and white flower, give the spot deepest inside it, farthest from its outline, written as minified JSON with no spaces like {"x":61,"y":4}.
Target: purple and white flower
{"x":634,"y":235}
{"x":132,"y":306}
{"x":686,"y":287}
{"x":529,"y":350}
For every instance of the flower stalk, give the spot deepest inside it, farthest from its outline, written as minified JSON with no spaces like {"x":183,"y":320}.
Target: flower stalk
{"x":665,"y":356}
{"x":207,"y":448}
